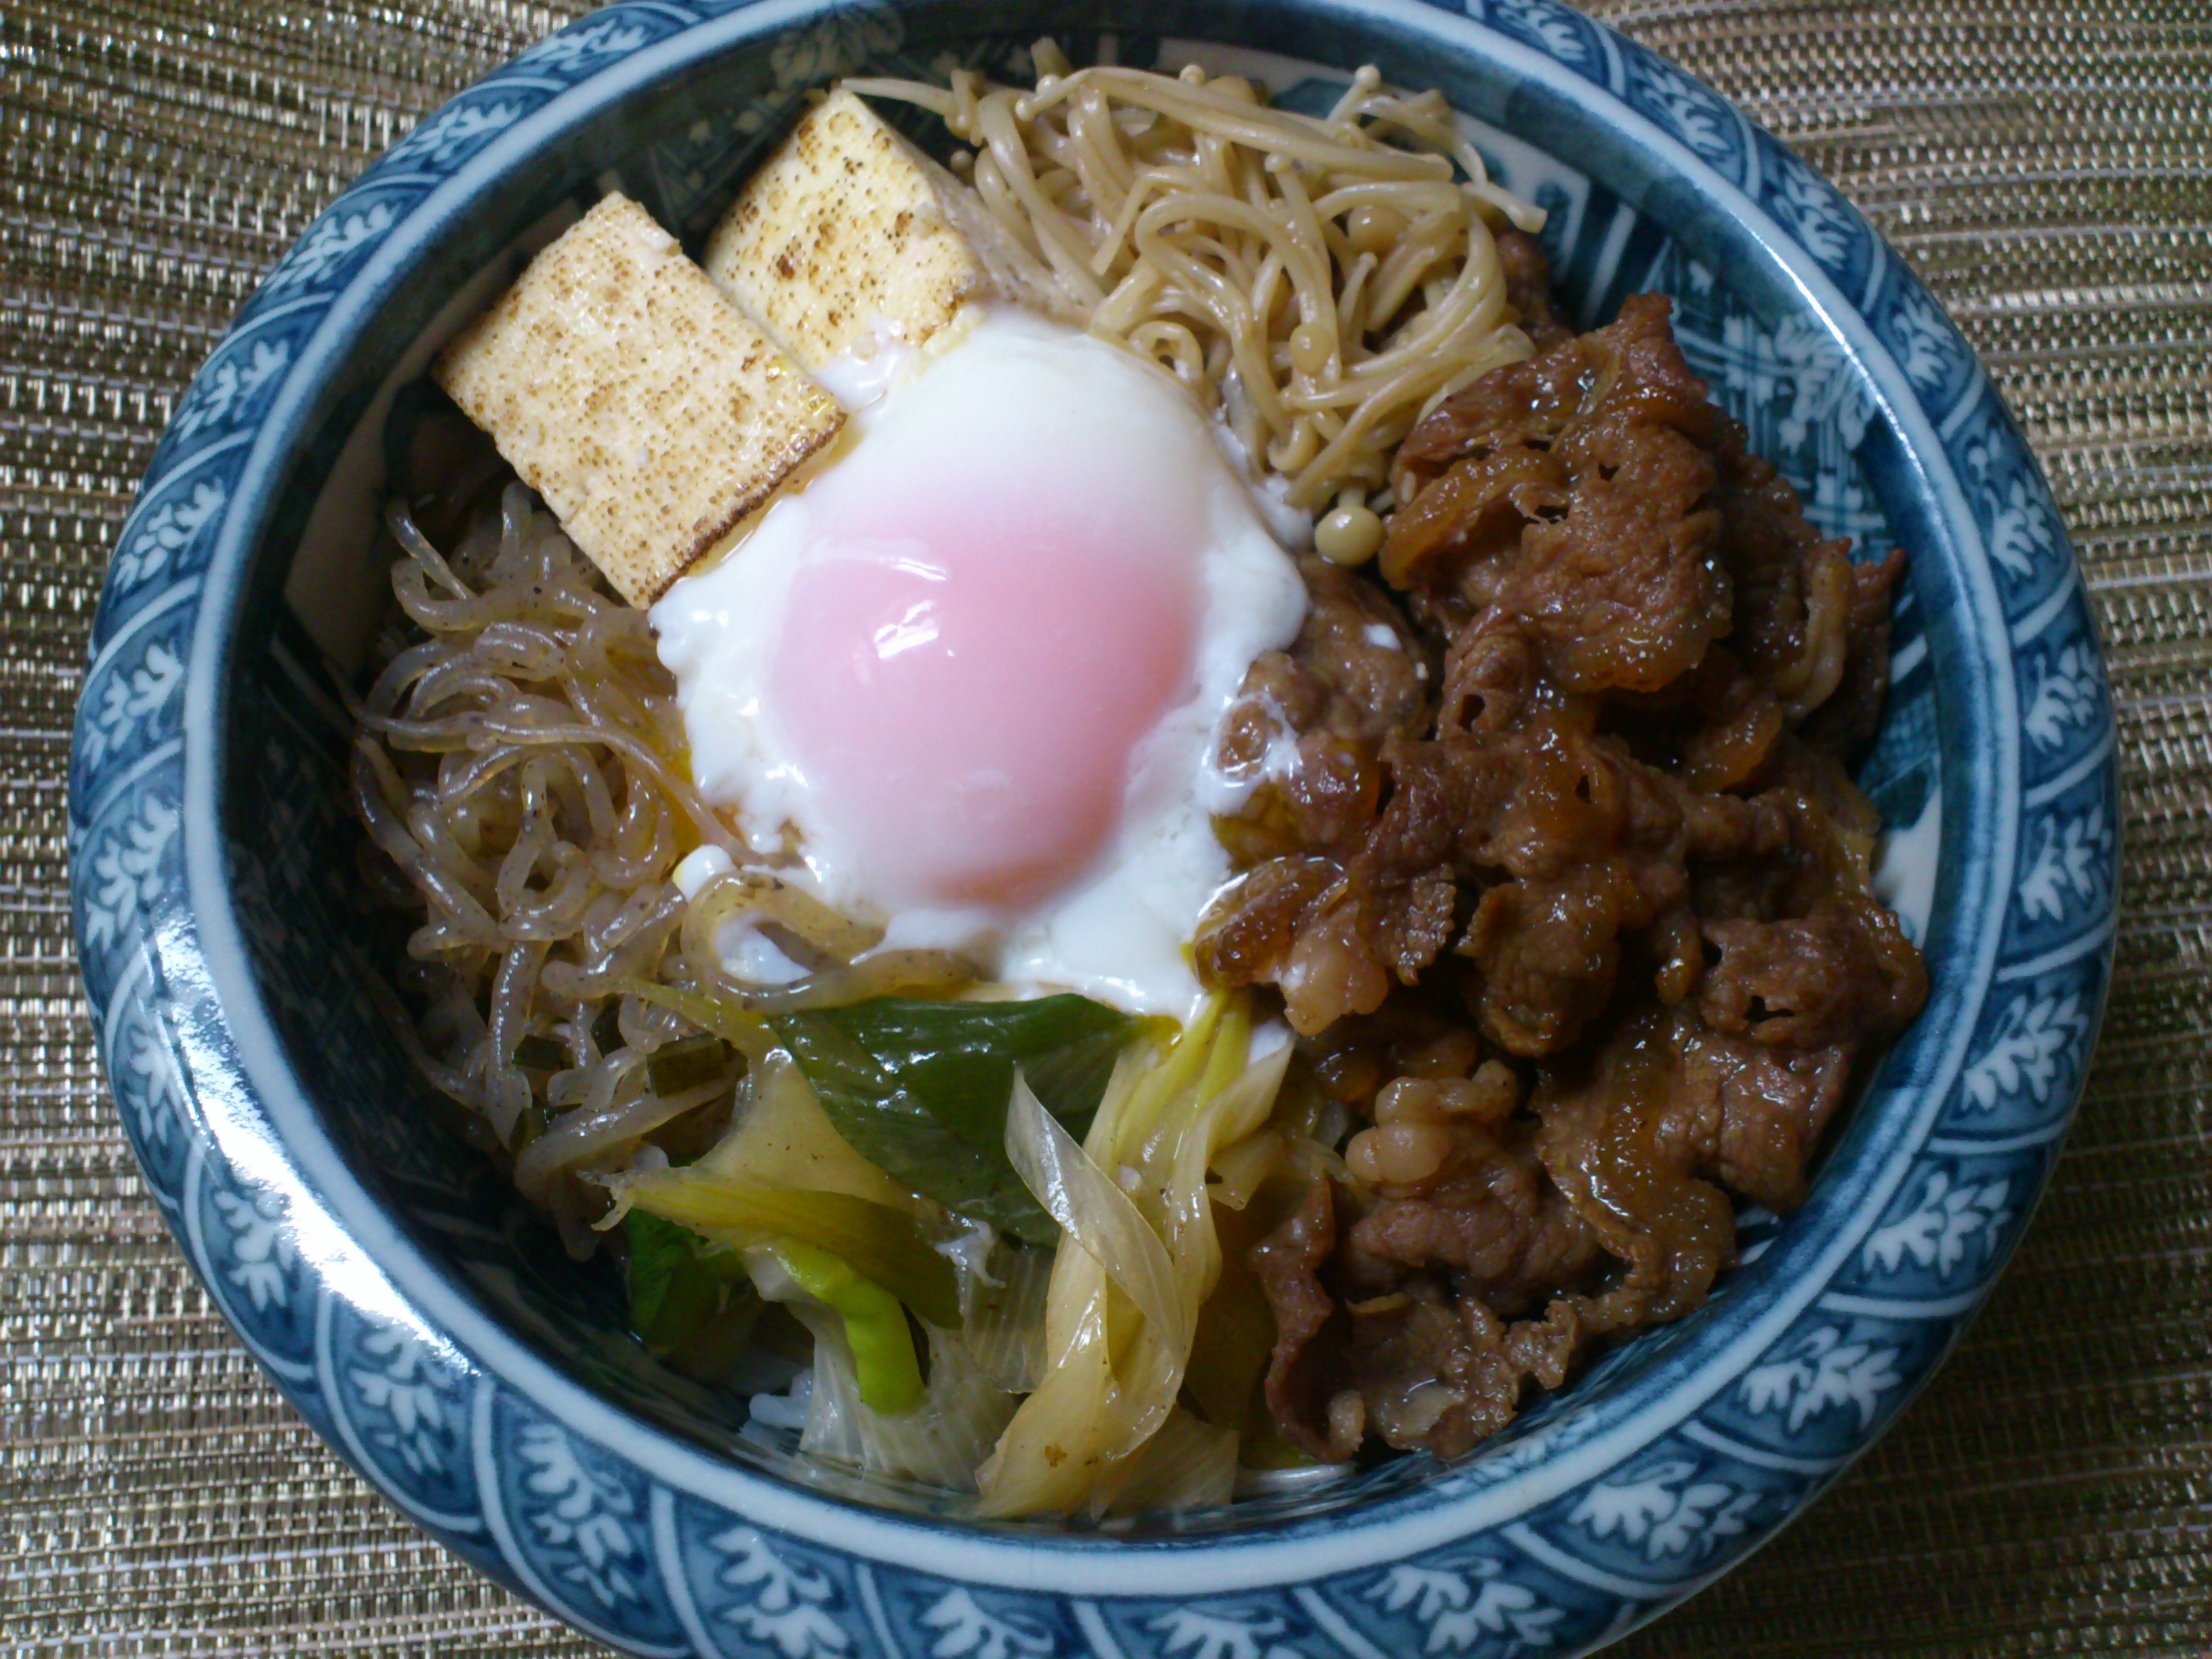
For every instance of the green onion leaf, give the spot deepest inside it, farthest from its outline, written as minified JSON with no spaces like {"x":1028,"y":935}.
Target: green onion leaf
{"x":689,"y":1302}
{"x":920,"y":1088}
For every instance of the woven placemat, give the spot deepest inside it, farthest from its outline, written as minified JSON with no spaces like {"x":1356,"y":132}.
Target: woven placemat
{"x":2045,"y":165}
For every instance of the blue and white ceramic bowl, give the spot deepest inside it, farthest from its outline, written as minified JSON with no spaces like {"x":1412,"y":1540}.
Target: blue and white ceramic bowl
{"x":435,"y":1334}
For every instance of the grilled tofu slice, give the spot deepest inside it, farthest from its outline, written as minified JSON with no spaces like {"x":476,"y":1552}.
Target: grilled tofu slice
{"x":847,"y":223}
{"x":625,"y":388}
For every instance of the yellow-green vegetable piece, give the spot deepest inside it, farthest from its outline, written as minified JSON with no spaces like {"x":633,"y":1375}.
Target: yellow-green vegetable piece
{"x":893,"y":1248}
{"x":784,"y":1138}
{"x":875,"y":1330}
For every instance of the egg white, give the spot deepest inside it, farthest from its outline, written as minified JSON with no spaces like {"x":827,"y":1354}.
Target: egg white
{"x":1118,"y":931}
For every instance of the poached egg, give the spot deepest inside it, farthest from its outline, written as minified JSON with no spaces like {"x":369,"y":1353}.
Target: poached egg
{"x":971,"y":675}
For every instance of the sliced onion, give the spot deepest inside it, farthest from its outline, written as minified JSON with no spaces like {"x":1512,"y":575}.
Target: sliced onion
{"x":943,"y":1442}
{"x":1187,"y":1465}
{"x":1096,"y":1214}
{"x":1005,"y":1321}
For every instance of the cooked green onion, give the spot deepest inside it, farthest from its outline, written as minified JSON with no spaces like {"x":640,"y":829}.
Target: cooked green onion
{"x":920,"y":1088}
{"x":875,"y":1326}
{"x":689,"y":1302}
{"x":896,"y":1249}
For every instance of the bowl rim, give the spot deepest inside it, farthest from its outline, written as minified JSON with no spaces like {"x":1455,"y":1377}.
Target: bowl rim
{"x":255,"y":1120}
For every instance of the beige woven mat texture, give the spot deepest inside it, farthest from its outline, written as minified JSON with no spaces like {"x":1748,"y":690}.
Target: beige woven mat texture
{"x":2046,"y":166}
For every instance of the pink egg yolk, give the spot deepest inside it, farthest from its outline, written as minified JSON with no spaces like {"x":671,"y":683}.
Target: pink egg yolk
{"x":969,"y":660}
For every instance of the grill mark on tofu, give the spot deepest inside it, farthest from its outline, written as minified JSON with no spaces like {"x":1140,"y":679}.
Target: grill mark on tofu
{"x":848,"y":222}
{"x":650,"y":413}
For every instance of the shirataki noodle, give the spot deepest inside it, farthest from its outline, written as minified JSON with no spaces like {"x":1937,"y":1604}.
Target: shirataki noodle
{"x":519,"y":761}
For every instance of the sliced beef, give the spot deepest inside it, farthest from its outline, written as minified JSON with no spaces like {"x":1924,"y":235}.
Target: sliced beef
{"x":1301,"y":1378}
{"x":1356,"y":671}
{"x":1501,"y":1227}
{"x":1843,"y":972}
{"x":1528,"y":288}
{"x":1770,"y":1106}
{"x":1419,"y":1366}
{"x":1625,"y":1141}
{"x":1793,"y":589}
{"x":1577,"y":492}
{"x":1308,"y":725}
{"x":1554,"y":862}
{"x":1546,"y":952}
{"x":1844,"y":724}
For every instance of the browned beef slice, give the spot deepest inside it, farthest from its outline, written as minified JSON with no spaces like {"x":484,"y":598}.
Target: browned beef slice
{"x":1691,"y":1103}
{"x":1770,"y":1106}
{"x":1547,"y":951}
{"x":1843,"y":972}
{"x":1332,"y":789}
{"x":1413,"y":1365}
{"x":1623,"y":1137}
{"x":1809,"y":834}
{"x":1278,"y":695}
{"x":1461,"y":531}
{"x":1333,"y":946}
{"x":1300,"y":1377}
{"x":1246,"y":937}
{"x":1333,"y":934}
{"x":1594,"y":745}
{"x":1845,"y":724}
{"x":1528,"y":288}
{"x":1624,"y":591}
{"x":1309,"y":721}
{"x":1739,"y":723}
{"x":1593,"y":841}
{"x":1573,"y":491}
{"x":1431,"y":1370}
{"x":1356,"y":670}
{"x":1524,"y":405}
{"x":1418,"y":1321}
{"x":1794,"y":588}
{"x":1413,"y":921}
{"x":1496,"y":1220}
{"x":1490,"y":674}
{"x":1358,"y":646}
